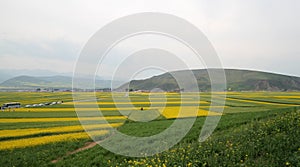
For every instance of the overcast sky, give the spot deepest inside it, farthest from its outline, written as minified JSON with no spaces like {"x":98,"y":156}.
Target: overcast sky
{"x":49,"y":35}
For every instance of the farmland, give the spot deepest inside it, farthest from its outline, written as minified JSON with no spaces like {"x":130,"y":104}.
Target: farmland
{"x":256,"y":129}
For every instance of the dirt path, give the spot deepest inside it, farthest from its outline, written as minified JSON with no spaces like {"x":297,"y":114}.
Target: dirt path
{"x":88,"y":145}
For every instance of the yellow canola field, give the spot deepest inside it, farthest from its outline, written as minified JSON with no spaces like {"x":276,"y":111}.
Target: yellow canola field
{"x":288,"y":97}
{"x":155,"y":102}
{"x":87,"y":109}
{"x":174,"y":112}
{"x":32,"y":131}
{"x":44,"y":109}
{"x":15,"y":120}
{"x":20,"y":143}
{"x":260,"y":102}
{"x":73,"y":109}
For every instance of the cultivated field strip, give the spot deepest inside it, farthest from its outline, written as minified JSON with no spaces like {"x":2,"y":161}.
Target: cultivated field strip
{"x":34,"y":141}
{"x":206,"y":107}
{"x":29,"y":127}
{"x":174,"y":112}
{"x":273,"y":99}
{"x":60,"y":129}
{"x":16,"y":120}
{"x":261,"y":102}
{"x":142,"y":103}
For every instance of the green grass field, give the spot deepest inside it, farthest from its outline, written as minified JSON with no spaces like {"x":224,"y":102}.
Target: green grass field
{"x":256,"y":129}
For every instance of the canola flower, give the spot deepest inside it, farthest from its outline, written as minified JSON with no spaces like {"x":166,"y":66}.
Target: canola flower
{"x":207,"y":107}
{"x":226,"y":93}
{"x":73,"y":109}
{"x":260,"y":102}
{"x":142,"y":102}
{"x":40,"y":109}
{"x":15,"y":120}
{"x":291,"y":96}
{"x":175,"y":112}
{"x":33,"y":131}
{"x":91,"y":109}
{"x":21,"y":143}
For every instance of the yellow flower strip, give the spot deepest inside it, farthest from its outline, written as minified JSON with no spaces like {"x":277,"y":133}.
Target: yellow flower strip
{"x":173,"y":112}
{"x":20,"y":143}
{"x":287,"y":97}
{"x":260,"y":102}
{"x":155,"y":102}
{"x":295,"y":99}
{"x":46,"y":109}
{"x":72,"y":109}
{"x":15,"y":120}
{"x":84,"y":109}
{"x":32,"y":131}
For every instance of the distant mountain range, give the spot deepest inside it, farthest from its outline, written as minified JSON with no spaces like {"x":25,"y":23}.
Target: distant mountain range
{"x":237,"y":80}
{"x":59,"y":82}
{"x":6,"y":74}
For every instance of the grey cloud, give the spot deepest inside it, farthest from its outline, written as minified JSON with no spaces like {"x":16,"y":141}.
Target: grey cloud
{"x":50,"y":49}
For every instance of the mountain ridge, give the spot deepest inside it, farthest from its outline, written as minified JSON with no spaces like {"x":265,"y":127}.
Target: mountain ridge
{"x":237,"y":80}
{"x":56,"y":81}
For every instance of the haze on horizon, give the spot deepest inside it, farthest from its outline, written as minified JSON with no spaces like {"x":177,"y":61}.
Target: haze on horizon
{"x":49,"y":35}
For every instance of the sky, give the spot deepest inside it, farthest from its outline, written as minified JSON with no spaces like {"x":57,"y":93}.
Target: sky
{"x":50,"y":35}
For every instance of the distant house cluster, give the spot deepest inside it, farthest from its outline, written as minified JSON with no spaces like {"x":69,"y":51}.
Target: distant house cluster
{"x":153,"y":90}
{"x":52,"y":90}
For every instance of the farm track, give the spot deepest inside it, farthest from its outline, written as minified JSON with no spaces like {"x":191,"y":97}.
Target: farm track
{"x":87,"y":145}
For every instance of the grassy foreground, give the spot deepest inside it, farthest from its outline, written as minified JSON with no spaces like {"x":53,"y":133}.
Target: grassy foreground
{"x":256,"y":129}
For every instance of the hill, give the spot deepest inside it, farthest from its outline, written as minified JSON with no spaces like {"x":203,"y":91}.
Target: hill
{"x":63,"y":82}
{"x":237,"y":80}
